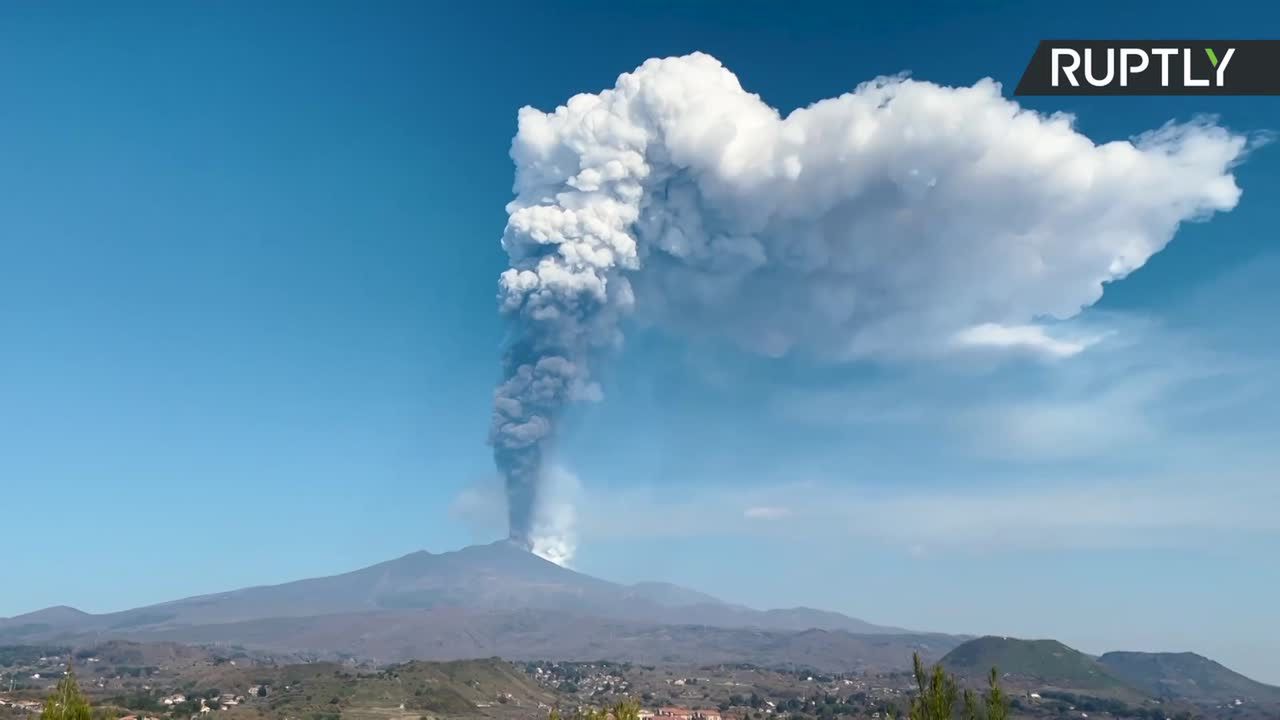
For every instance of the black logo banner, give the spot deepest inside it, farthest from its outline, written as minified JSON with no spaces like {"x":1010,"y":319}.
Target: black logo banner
{"x":1153,"y":67}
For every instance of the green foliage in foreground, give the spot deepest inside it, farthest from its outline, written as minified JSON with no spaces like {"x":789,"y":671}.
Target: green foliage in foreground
{"x":66,"y":702}
{"x":994,"y":703}
{"x":624,"y":710}
{"x":937,"y":693}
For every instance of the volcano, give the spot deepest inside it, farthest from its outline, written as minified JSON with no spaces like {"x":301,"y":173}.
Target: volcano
{"x":485,"y":600}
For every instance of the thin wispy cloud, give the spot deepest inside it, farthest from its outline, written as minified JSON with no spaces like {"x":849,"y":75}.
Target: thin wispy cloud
{"x":1030,"y":338}
{"x":1041,"y":513}
{"x":766,"y":512}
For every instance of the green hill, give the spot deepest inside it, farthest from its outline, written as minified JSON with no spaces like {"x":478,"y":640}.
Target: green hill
{"x":1043,"y":662}
{"x":1187,"y":676}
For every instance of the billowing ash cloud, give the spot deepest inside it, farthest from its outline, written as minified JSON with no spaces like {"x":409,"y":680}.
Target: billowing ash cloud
{"x":901,"y":218}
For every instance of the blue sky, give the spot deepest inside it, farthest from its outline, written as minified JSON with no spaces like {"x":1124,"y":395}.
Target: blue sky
{"x":247,"y":294}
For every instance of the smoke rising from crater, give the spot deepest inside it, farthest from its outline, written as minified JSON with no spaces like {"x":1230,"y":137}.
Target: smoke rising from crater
{"x":903,"y":218}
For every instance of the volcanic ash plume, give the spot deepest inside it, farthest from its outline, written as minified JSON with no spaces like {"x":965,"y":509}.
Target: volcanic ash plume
{"x":901,"y":218}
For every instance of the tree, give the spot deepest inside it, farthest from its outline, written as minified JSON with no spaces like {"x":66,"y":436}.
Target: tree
{"x":936,"y":698}
{"x":623,"y":710}
{"x":937,"y":692}
{"x":997,"y":705}
{"x":626,"y":710}
{"x":66,"y":702}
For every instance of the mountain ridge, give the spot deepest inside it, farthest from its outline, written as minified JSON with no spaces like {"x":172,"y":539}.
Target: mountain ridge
{"x":1123,"y":675}
{"x":1047,"y":662}
{"x":487,"y":580}
{"x":1186,"y":676}
{"x":500,"y":600}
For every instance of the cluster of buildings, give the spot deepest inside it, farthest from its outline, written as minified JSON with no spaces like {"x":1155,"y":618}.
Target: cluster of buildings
{"x":33,"y":706}
{"x":222,"y":702}
{"x":680,"y":713}
{"x":589,"y":680}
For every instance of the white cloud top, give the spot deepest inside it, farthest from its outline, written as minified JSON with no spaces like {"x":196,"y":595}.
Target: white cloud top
{"x":891,"y":217}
